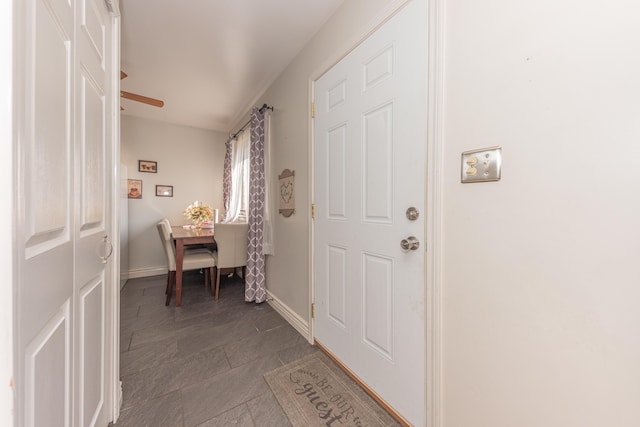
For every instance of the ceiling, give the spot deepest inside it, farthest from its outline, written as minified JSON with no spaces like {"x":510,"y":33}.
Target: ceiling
{"x":209,"y":60}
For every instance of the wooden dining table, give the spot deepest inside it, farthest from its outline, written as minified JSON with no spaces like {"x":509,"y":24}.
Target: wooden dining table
{"x":185,"y":237}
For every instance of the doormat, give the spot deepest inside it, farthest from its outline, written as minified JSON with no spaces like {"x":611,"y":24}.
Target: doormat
{"x":313,"y":391}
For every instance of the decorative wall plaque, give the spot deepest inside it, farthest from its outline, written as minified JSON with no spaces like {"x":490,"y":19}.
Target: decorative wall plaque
{"x":287,"y":192}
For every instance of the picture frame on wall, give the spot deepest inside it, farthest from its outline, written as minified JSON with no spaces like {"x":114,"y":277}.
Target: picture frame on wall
{"x":164,"y":190}
{"x":134,"y":188}
{"x":148,"y":166}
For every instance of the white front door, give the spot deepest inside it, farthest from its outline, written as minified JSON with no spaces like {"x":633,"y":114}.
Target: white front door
{"x":65,"y":180}
{"x":369,"y":168}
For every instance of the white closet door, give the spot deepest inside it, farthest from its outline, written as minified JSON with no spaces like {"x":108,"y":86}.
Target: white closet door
{"x":65,"y":182}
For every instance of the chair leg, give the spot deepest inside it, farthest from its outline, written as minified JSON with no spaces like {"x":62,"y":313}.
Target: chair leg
{"x":206,"y":277}
{"x":212,"y":276}
{"x":172,"y":281}
{"x":244,"y":274}
{"x":217,"y":282}
{"x":166,"y":292}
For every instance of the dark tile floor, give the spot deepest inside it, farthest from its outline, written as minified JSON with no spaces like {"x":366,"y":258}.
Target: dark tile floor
{"x":201,"y":364}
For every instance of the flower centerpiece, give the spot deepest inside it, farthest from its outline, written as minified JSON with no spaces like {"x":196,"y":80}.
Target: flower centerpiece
{"x":197,"y":212}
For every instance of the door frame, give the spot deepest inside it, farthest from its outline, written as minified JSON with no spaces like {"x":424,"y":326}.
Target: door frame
{"x":7,"y":133}
{"x":115,"y":388}
{"x":435,"y":20}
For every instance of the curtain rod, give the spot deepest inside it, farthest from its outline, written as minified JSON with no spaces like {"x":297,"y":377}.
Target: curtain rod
{"x":244,"y":126}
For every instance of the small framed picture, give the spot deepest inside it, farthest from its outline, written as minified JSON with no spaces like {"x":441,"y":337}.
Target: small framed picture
{"x":164,"y":190}
{"x":147,"y":166}
{"x":134,"y":188}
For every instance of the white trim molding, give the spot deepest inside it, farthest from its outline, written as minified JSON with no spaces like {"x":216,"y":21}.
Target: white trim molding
{"x":146,"y":272}
{"x":9,"y":20}
{"x":435,"y":148}
{"x":290,"y":316}
{"x":119,"y":277}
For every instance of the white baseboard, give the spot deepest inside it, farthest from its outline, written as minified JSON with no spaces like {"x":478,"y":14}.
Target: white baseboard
{"x":147,"y":272}
{"x":300,"y":324}
{"x":124,"y":276}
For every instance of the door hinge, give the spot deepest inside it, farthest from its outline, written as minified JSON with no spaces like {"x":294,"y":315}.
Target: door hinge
{"x":313,"y":210}
{"x":313,"y":310}
{"x":313,"y":110}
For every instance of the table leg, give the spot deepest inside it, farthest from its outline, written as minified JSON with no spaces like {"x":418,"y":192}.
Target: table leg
{"x":179,"y":261}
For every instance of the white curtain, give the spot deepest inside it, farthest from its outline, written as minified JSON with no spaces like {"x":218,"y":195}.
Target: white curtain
{"x":267,"y":244}
{"x":239,"y":194}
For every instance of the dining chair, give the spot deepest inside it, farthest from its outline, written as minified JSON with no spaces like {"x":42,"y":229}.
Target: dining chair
{"x":193,"y":260}
{"x":232,"y":240}
{"x":190,"y":248}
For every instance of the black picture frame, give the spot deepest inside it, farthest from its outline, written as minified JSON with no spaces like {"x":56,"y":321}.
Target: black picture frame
{"x":164,"y":190}
{"x":148,"y":166}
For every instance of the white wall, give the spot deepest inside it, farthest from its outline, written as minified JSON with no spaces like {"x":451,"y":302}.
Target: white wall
{"x":541,"y":270}
{"x":288,"y":271}
{"x":188,"y":158}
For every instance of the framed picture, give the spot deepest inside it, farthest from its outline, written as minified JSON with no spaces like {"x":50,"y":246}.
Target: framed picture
{"x":164,"y":190}
{"x":134,"y":188}
{"x":147,"y":166}
{"x":287,"y":192}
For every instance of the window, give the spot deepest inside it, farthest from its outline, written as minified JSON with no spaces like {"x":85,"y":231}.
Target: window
{"x":239,"y":196}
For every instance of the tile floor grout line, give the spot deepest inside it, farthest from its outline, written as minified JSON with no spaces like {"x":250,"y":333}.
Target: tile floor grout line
{"x":236,"y":329}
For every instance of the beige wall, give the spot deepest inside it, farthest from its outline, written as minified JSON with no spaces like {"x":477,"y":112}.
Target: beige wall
{"x":541,"y":270}
{"x":188,"y":158}
{"x":288,"y":270}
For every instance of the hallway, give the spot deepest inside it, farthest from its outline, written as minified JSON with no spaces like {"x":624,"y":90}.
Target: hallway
{"x":201,"y":364}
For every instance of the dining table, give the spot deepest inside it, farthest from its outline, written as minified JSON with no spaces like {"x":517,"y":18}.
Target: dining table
{"x":184,"y":237}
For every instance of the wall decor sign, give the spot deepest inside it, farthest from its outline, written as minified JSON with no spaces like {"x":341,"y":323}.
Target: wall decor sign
{"x":287,"y":192}
{"x":134,"y":188}
{"x":164,"y":190}
{"x":147,"y":166}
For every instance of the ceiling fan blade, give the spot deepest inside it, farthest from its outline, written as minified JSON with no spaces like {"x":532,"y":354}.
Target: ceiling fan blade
{"x":122,"y":75}
{"x":143,"y":99}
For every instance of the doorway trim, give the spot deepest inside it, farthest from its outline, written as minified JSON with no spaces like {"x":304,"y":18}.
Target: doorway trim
{"x":435,"y":20}
{"x":434,"y":165}
{"x":7,"y":133}
{"x":115,"y":385}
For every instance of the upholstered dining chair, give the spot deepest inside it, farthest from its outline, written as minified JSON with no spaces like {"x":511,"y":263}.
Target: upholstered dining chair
{"x":190,"y":248}
{"x":193,"y":260}
{"x":232,"y":240}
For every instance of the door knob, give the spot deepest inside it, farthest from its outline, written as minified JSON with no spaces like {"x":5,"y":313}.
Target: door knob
{"x":411,"y":243}
{"x":107,"y":250}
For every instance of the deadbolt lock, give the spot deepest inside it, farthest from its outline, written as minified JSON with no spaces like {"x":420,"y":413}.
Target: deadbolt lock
{"x":412,"y":214}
